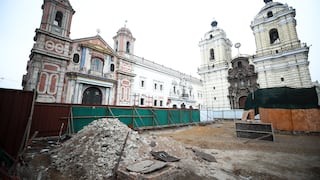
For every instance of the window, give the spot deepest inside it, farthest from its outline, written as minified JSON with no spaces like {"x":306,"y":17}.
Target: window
{"x":128,"y":47}
{"x":155,"y":102}
{"x":269,"y":14}
{"x":239,"y":64}
{"x":211,"y":36}
{"x":142,"y":101}
{"x":142,"y":83}
{"x":161,"y":87}
{"x":58,"y":19}
{"x":112,"y":67}
{"x":211,"y":54}
{"x":96,"y":65}
{"x":155,"y":86}
{"x":117,"y":44}
{"x":76,"y":58}
{"x":161,"y":103}
{"x":174,"y":89}
{"x":214,"y":87}
{"x":274,"y":36}
{"x":282,"y":79}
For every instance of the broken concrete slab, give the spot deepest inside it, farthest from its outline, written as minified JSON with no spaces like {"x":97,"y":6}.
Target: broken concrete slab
{"x":146,"y":166}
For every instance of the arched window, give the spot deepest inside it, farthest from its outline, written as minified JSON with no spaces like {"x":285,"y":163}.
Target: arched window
{"x":96,"y":65}
{"x":58,"y":19}
{"x":112,"y":67}
{"x":269,"y":14}
{"x":211,"y":54}
{"x":274,"y":36}
{"x":239,"y":64}
{"x":117,"y":44}
{"x":128,"y":47}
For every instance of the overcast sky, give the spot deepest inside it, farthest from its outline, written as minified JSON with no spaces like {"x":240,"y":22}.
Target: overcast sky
{"x":167,"y":31}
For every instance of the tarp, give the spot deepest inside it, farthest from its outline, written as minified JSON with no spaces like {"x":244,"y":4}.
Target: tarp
{"x":283,"y":97}
{"x":134,"y":117}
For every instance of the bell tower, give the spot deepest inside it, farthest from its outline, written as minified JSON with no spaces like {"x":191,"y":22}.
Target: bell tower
{"x":215,"y":50}
{"x":51,"y":52}
{"x":124,"y":41}
{"x":57,"y":17}
{"x":280,"y":59}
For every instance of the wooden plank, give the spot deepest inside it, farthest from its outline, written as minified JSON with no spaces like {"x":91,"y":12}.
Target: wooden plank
{"x":245,"y":115}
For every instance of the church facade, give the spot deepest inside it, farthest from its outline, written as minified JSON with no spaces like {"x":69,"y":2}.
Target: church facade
{"x":280,"y":60}
{"x":90,"y":71}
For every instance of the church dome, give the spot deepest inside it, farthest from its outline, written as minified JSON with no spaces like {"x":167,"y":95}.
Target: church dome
{"x":272,"y":5}
{"x":272,"y":10}
{"x":124,"y":31}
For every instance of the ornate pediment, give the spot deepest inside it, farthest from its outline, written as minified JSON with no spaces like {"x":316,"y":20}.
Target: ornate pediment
{"x":98,"y":48}
{"x":95,"y":43}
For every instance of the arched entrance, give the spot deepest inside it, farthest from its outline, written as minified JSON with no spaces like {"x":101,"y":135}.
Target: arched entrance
{"x":242,"y":102}
{"x":92,"y":95}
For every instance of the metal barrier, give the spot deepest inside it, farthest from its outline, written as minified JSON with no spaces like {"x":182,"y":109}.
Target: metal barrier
{"x":209,"y":114}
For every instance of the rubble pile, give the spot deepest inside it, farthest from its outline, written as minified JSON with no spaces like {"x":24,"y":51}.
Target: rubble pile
{"x":94,"y":151}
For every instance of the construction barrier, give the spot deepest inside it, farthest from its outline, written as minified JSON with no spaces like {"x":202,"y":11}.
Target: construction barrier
{"x":134,"y":117}
{"x":208,"y":114}
{"x":306,"y":120}
{"x":15,"y":110}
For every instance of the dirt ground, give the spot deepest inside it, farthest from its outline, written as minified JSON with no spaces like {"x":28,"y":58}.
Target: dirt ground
{"x":288,"y":157}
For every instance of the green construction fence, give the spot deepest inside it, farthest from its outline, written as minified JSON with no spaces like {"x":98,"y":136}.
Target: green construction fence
{"x":134,"y":117}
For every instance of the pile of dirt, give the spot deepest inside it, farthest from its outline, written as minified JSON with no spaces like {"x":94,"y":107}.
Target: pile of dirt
{"x":94,"y":151}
